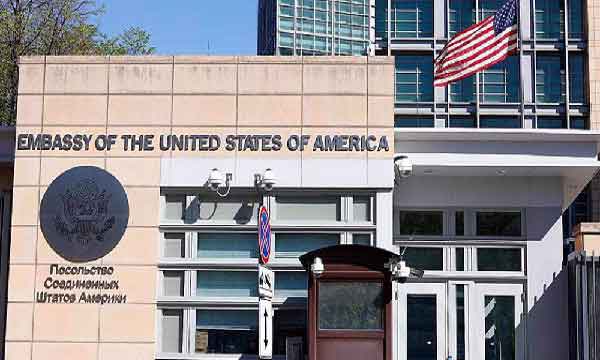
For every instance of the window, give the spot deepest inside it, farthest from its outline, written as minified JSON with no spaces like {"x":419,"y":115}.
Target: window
{"x":322,"y":208}
{"x":579,"y":122}
{"x":411,"y":18}
{"x":174,"y":207}
{"x":226,"y":332}
{"x":238,"y":209}
{"x":498,"y":259}
{"x":489,"y":7}
{"x":576,"y":78}
{"x":413,"y":121}
{"x":462,"y":121}
{"x":500,"y":83}
{"x":174,"y":246}
{"x":463,"y":91}
{"x":576,"y":19}
{"x":551,"y":122}
{"x":226,"y":283}
{"x":460,"y":322}
{"x":499,"y":315}
{"x":459,"y":223}
{"x":498,"y":223}
{"x":381,"y":17}
{"x":289,"y":324}
{"x":171,"y":334}
{"x":424,"y":258}
{"x":361,"y":208}
{"x":294,"y":245}
{"x":550,"y":86}
{"x":421,"y":222}
{"x":291,"y":284}
{"x":549,"y":19}
{"x":173,"y":283}
{"x":505,"y":122}
{"x":421,"y":327}
{"x":462,"y":15}
{"x":361,"y":239}
{"x":414,"y":78}
{"x":460,"y":259}
{"x":350,"y":305}
{"x":227,"y":245}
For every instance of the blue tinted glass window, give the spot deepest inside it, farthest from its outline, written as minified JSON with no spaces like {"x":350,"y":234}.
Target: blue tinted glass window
{"x":575,"y":19}
{"x":462,"y":122}
{"x":551,"y":122}
{"x":381,"y":15}
{"x":579,"y":122}
{"x":463,"y":90}
{"x":500,"y":83}
{"x":462,"y":15}
{"x":576,"y":78}
{"x":294,"y":245}
{"x":414,"y":78}
{"x":489,"y":7}
{"x":291,"y":284}
{"x":549,"y":79}
{"x":500,"y":122}
{"x":549,"y":19}
{"x":226,"y":283}
{"x":411,"y":18}
{"x":227,"y":245}
{"x":413,"y":121}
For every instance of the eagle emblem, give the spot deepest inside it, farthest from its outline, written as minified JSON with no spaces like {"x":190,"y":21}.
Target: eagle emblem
{"x":83,"y":215}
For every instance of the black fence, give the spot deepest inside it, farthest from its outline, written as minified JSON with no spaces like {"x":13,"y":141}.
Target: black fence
{"x":584,"y":306}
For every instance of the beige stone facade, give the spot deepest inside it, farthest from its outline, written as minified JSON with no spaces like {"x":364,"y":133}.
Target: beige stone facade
{"x":158,"y":95}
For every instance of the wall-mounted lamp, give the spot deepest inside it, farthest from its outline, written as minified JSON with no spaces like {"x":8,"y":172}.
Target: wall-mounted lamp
{"x":317,"y":267}
{"x":266,"y":181}
{"x":216,"y":182}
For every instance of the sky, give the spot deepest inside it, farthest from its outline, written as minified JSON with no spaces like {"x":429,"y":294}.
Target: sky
{"x":187,"y":27}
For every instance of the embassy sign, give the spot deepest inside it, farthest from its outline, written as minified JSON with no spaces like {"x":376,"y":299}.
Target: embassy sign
{"x":199,"y":142}
{"x":84,"y":214}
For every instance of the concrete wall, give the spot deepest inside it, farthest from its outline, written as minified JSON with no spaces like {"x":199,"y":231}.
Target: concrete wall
{"x":165,"y":95}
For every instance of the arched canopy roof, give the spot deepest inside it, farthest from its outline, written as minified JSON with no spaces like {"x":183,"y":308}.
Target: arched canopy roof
{"x":361,"y":255}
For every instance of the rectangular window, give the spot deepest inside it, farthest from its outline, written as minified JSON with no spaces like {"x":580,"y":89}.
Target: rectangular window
{"x":226,"y":283}
{"x":551,"y":122}
{"x":421,"y":327}
{"x":226,"y":332}
{"x":381,"y":17}
{"x":498,"y":223}
{"x":174,"y":245}
{"x":463,"y":91}
{"x":498,"y":259}
{"x":421,"y":222}
{"x":460,"y":259}
{"x":462,"y":122}
{"x":500,"y":316}
{"x":294,"y":245}
{"x":425,"y":258}
{"x":576,"y":78}
{"x":291,"y":284}
{"x":549,"y":19}
{"x":171,"y":330}
{"x":460,"y":322}
{"x":361,"y":208}
{"x":576,"y":19}
{"x":579,"y":122}
{"x":290,"y":329}
{"x":322,"y":208}
{"x":239,"y":209}
{"x":459,"y":223}
{"x":462,"y":15}
{"x":350,"y":305}
{"x":227,"y":245}
{"x":173,"y":283}
{"x":411,"y":18}
{"x":413,"y":121}
{"x":549,"y":79}
{"x":414,"y":78}
{"x":174,"y":207}
{"x":361,"y":239}
{"x":500,"y":83}
{"x":500,"y":122}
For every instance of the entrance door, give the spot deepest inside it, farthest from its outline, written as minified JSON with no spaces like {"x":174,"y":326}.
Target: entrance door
{"x":422,"y":321}
{"x":498,"y":331}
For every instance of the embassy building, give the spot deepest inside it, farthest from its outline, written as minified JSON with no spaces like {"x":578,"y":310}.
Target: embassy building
{"x":137,"y":188}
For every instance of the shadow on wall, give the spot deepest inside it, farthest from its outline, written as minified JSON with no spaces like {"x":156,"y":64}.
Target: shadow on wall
{"x":547,"y":322}
{"x":240,"y":210}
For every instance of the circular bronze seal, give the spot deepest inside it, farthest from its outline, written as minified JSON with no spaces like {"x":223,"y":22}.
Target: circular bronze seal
{"x":84,"y":213}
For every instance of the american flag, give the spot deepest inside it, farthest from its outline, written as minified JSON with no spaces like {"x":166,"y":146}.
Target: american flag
{"x":478,"y":47}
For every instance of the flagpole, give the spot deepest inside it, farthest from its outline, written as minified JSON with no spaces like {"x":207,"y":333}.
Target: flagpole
{"x":521,"y":77}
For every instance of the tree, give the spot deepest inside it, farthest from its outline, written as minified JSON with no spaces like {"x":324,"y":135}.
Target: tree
{"x":54,"y":27}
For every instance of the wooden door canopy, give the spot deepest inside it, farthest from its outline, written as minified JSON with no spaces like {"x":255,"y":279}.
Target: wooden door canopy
{"x":369,"y":257}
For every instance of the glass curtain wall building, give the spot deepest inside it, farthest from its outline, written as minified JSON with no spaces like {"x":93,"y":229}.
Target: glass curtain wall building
{"x":525,"y":91}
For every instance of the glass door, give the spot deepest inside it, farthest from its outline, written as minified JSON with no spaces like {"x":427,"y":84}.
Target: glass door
{"x":497,"y":321}
{"x":422,"y":321}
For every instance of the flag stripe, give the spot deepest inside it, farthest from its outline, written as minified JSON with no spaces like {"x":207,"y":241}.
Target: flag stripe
{"x":478,"y":47}
{"x":467,"y":57}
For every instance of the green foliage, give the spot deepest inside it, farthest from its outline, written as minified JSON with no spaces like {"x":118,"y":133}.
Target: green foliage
{"x":55,"y":27}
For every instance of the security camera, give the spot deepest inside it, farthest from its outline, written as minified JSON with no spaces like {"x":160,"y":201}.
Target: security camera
{"x":402,"y":272}
{"x":317,"y":267}
{"x":216,"y":181}
{"x":403,"y":166}
{"x":265,"y":181}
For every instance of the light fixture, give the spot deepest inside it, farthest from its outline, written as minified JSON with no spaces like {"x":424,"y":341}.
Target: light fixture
{"x":317,"y":267}
{"x":216,"y":182}
{"x":403,"y":166}
{"x":266,"y":181}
